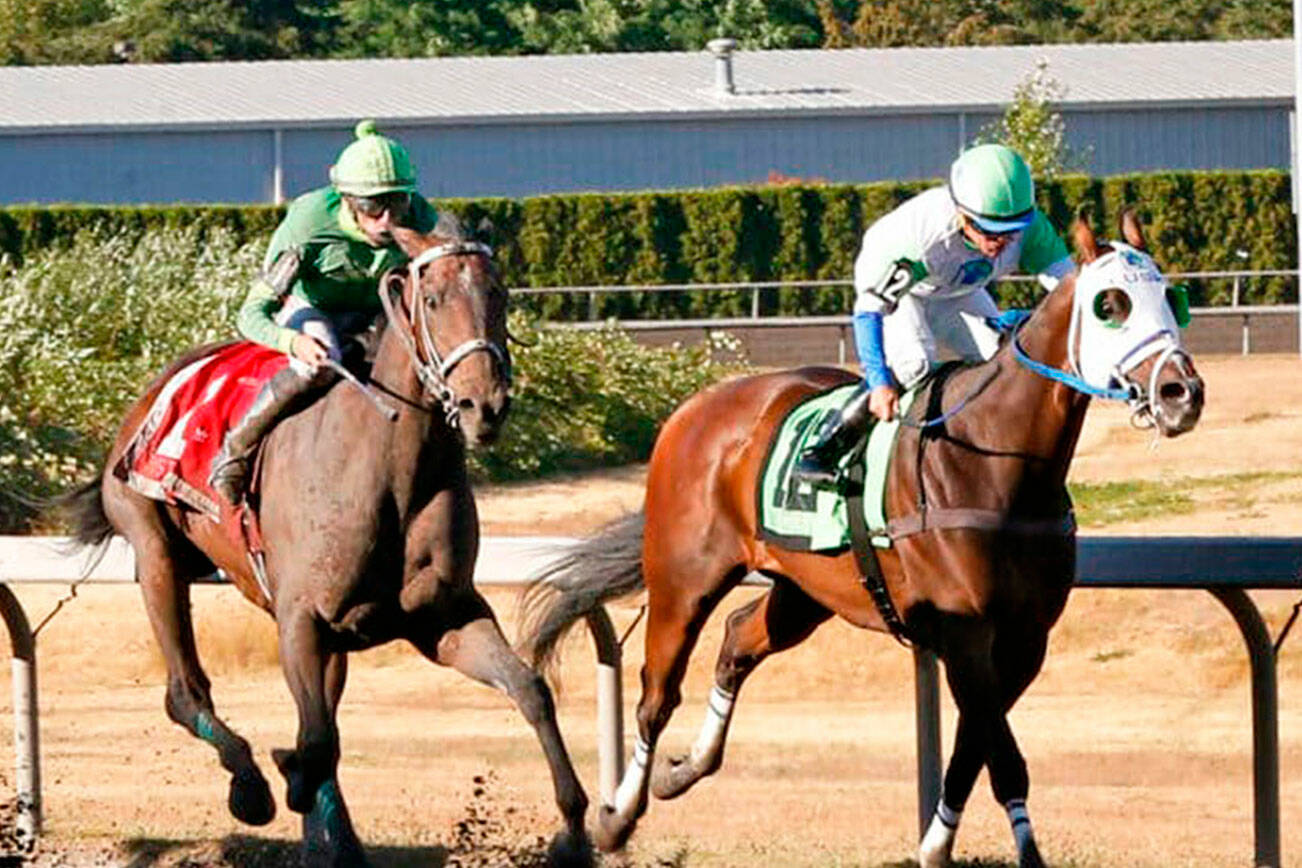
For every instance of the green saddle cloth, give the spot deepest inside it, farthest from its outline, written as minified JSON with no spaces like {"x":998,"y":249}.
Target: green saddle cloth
{"x":802,"y":517}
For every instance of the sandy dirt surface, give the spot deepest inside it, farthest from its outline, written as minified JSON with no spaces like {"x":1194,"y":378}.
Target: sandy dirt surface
{"x":1137,"y":733}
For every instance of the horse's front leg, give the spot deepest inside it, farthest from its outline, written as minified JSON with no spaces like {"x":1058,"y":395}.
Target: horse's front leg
{"x":316,"y":679}
{"x":984,"y":691}
{"x":469,"y":640}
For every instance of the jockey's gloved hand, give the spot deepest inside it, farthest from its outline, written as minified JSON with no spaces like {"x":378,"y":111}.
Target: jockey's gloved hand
{"x":1008,"y":320}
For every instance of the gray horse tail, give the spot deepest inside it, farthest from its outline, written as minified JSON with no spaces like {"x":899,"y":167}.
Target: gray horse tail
{"x":599,"y":568}
{"x":84,"y":507}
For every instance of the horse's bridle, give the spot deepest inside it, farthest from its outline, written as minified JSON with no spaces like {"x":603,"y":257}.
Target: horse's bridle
{"x":434,"y":369}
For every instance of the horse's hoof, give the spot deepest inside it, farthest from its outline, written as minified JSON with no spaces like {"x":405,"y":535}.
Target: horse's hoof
{"x":613,"y":831}
{"x":1029,"y":857}
{"x":570,"y":849}
{"x":299,"y":796}
{"x":673,"y":777}
{"x":250,"y":798}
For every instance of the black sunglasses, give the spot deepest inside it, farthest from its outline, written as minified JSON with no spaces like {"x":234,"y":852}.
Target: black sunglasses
{"x":396,"y":203}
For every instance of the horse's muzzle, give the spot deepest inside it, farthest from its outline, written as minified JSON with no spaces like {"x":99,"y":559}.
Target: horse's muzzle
{"x":481,"y":420}
{"x":1178,"y":399}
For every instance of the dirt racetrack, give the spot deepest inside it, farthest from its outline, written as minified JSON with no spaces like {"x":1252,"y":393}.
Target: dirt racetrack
{"x":1137,"y":733}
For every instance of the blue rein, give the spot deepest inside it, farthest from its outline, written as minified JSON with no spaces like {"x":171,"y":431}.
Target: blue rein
{"x":1070,"y":380}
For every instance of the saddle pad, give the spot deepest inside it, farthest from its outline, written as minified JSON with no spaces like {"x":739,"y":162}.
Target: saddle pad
{"x":169,"y":457}
{"x":814,"y":518}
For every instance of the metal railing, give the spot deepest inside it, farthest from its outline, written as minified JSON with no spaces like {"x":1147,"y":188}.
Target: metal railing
{"x":1225,"y":566}
{"x":756,"y":288}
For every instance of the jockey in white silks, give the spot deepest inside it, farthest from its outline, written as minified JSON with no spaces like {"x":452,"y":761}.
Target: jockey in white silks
{"x":920,"y":287}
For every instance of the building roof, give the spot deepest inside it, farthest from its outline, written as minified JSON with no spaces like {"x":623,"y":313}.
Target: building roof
{"x":615,"y":86}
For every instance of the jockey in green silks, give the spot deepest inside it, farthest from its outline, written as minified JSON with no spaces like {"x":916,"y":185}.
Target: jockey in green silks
{"x":920,"y":287}
{"x":318,"y":282}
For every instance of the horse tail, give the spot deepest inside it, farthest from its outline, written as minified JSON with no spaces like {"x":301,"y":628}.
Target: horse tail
{"x":599,"y":568}
{"x":84,"y":506}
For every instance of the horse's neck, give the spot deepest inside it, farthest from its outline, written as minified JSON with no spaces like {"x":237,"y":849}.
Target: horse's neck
{"x":1059,"y":409}
{"x":1023,"y":413}
{"x":400,"y":452}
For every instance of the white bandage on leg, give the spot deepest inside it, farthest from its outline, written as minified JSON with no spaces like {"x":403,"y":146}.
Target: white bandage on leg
{"x":635,"y":778}
{"x":938,"y":843}
{"x":718,"y":711}
{"x":1021,"y":823}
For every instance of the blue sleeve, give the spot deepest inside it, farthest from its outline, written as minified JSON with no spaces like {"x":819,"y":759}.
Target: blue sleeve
{"x":868,"y":341}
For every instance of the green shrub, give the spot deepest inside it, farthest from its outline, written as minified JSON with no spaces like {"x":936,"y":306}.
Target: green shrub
{"x":84,"y":327}
{"x":591,"y":398}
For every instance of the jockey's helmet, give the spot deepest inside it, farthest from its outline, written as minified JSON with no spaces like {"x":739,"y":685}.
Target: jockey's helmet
{"x":373,"y":165}
{"x":991,"y":185}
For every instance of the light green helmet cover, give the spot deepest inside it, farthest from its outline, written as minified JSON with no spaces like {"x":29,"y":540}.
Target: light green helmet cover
{"x":992,"y":184}
{"x":372,"y":165}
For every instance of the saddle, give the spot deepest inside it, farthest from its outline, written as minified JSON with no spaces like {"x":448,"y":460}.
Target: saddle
{"x":169,"y":456}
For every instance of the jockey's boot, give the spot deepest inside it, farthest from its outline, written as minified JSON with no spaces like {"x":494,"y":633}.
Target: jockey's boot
{"x":231,"y":466}
{"x":840,"y":432}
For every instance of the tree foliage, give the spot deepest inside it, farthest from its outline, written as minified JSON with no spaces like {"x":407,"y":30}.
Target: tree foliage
{"x":102,"y":31}
{"x":1032,"y":127}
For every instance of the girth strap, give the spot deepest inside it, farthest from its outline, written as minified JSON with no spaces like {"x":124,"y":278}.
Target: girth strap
{"x":870,"y":570}
{"x":964,"y":518}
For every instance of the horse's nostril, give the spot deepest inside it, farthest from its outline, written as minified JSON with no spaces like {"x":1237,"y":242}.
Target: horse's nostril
{"x":466,"y":405}
{"x":1173,"y":392}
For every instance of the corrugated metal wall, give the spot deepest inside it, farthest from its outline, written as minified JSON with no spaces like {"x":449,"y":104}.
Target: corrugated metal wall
{"x":137,"y":167}
{"x":526,"y":159}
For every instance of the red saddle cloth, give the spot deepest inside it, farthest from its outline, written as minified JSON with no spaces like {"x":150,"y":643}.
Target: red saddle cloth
{"x":170,"y":456}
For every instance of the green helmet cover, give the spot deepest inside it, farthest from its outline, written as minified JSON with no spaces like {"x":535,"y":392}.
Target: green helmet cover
{"x":992,"y":185}
{"x":373,"y":164}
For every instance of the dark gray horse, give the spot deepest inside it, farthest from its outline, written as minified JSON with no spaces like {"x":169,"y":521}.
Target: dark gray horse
{"x":370,"y":534}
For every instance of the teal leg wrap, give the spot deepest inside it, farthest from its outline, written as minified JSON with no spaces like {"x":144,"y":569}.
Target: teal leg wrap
{"x":206,"y":729}
{"x":328,"y":803}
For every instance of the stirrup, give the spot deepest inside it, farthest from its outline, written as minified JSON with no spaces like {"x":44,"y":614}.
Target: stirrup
{"x":813,"y":468}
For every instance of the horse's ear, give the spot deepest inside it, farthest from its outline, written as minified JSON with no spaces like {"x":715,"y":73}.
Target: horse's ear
{"x":410,"y":241}
{"x":1132,"y":230}
{"x":485,"y":231}
{"x":394,"y":281}
{"x":1083,"y":237}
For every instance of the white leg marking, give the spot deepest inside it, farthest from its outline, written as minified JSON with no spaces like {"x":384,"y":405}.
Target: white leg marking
{"x":1021,"y":823}
{"x":632,"y":789}
{"x":938,"y":843}
{"x":718,"y":711}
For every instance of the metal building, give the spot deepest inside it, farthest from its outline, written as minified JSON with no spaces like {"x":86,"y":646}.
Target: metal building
{"x":259,"y":132}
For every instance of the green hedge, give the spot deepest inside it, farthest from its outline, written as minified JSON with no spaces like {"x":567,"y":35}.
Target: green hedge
{"x":1197,"y":220}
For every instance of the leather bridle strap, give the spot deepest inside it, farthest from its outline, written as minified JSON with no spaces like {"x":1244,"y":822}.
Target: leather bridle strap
{"x":433,"y":370}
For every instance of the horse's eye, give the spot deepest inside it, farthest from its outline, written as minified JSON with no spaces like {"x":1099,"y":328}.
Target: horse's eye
{"x":1112,"y":307}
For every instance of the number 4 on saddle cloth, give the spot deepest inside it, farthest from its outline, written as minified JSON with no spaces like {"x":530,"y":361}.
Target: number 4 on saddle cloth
{"x":801,"y":517}
{"x":169,"y":456}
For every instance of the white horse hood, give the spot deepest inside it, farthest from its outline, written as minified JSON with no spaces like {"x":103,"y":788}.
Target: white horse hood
{"x":1103,"y":345}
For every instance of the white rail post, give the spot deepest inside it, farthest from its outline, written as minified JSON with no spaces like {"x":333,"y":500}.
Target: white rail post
{"x":27,"y":748}
{"x":610,"y":705}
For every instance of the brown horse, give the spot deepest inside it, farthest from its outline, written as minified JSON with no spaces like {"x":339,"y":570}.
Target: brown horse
{"x":984,"y":550}
{"x":370,"y":534}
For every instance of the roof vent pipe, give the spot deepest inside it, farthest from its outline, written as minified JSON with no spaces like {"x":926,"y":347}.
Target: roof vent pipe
{"x":722,"y":50}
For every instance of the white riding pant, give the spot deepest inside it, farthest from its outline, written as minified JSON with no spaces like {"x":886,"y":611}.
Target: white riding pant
{"x":923,"y":331}
{"x":330,"y":330}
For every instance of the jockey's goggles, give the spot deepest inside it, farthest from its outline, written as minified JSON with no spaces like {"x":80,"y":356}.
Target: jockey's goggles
{"x":997,"y":227}
{"x":397,"y":203}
